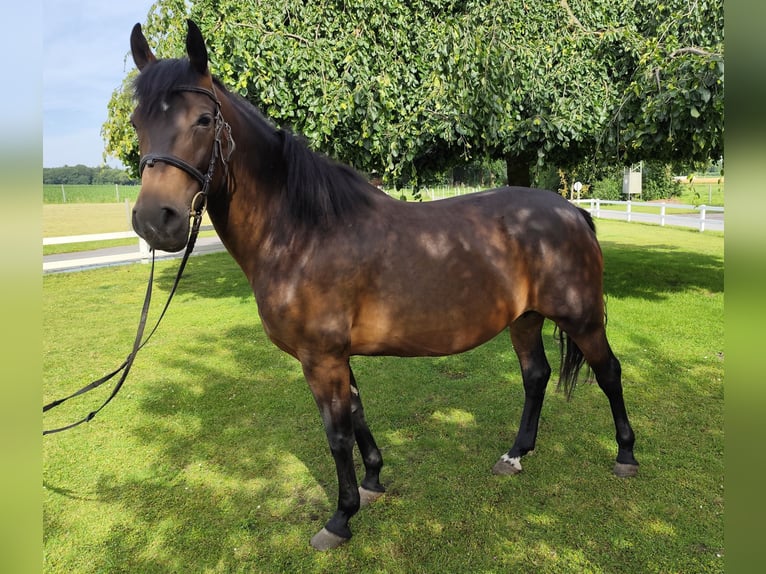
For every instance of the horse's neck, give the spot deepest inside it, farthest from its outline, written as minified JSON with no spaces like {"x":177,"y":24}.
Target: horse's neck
{"x":245,"y":207}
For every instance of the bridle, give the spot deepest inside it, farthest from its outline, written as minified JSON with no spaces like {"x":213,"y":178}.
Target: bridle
{"x":150,"y":159}
{"x":196,"y":211}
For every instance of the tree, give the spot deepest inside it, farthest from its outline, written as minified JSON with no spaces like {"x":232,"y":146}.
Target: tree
{"x":671,"y":63}
{"x":404,"y":88}
{"x":83,"y":175}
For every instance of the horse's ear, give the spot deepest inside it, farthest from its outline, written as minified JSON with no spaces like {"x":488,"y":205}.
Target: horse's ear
{"x":195,"y":48}
{"x":139,"y":47}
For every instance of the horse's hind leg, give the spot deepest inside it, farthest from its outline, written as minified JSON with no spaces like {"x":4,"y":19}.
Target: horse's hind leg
{"x":526,"y":335}
{"x":370,"y":488}
{"x":606,"y":368}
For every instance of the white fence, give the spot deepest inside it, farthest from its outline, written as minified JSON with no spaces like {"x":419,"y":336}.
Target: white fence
{"x":701,"y":217}
{"x":115,"y":255}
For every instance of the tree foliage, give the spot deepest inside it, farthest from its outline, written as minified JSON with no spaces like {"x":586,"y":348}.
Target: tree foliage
{"x":407,"y":87}
{"x":84,"y":175}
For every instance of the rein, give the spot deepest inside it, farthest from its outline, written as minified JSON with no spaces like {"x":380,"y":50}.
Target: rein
{"x":197,"y":209}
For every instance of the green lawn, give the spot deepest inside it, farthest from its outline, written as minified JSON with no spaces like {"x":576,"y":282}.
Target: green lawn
{"x":213,"y":457}
{"x":100,"y":193}
{"x":708,"y":192}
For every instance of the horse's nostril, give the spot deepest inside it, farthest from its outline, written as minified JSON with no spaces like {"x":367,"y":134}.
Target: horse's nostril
{"x":167,"y":215}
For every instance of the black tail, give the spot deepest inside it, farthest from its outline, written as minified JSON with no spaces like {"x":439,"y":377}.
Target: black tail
{"x":588,"y":218}
{"x":572,"y":361}
{"x":572,"y":358}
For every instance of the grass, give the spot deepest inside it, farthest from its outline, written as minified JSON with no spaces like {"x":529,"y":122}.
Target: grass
{"x":213,"y":458}
{"x":73,"y":194}
{"x":85,"y":218}
{"x":707,"y":190}
{"x":61,"y":220}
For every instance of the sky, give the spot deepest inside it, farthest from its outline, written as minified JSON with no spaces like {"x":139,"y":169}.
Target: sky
{"x":86,"y":55}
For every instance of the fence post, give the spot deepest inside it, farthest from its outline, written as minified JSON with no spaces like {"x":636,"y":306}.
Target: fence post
{"x":143,"y":249}
{"x":63,"y":193}
{"x":128,"y":213}
{"x":662,"y":214}
{"x":117,"y":192}
{"x":629,"y":212}
{"x":598,"y":207}
{"x":703,"y":209}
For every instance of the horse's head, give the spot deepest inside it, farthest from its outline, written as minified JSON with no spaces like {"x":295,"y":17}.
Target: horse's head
{"x":178,"y":121}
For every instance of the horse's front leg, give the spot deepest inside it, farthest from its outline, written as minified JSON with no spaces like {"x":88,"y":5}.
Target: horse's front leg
{"x":329,"y":380}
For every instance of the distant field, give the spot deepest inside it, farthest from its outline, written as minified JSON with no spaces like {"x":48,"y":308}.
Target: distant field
{"x":707,"y":191}
{"x":85,"y":218}
{"x":61,"y":220}
{"x":108,"y":193}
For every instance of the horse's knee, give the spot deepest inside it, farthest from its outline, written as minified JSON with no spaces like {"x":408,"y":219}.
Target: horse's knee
{"x":535,"y":379}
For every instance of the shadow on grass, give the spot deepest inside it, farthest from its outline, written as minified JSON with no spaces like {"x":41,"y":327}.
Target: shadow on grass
{"x":651,"y":272}
{"x":240,"y":475}
{"x":210,"y":276}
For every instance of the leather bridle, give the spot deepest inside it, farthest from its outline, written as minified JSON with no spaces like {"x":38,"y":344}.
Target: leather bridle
{"x":196,"y":210}
{"x":150,"y":159}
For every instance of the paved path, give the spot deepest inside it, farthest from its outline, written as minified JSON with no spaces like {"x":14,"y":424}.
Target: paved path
{"x":119,"y":256}
{"x":713,"y":220}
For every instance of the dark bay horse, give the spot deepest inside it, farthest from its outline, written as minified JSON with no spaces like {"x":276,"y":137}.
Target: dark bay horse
{"x":339,"y":269}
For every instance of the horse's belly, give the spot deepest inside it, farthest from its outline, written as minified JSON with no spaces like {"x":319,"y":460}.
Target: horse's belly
{"x":417,"y":334}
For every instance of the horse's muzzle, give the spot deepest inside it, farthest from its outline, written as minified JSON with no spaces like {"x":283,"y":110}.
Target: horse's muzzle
{"x":164,"y":228}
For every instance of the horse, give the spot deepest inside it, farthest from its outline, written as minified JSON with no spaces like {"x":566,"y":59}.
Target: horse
{"x":339,"y":269}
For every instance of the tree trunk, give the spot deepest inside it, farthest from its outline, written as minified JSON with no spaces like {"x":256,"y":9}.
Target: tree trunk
{"x":518,"y":169}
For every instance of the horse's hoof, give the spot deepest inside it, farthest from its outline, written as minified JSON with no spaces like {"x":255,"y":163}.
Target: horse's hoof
{"x":368,"y":496}
{"x":625,"y":470}
{"x":326,"y":540}
{"x":507,"y":465}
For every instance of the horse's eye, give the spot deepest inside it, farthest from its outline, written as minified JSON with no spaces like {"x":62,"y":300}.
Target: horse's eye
{"x":205,"y":120}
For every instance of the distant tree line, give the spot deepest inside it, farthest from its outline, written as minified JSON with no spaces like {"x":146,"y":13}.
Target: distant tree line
{"x":84,"y":175}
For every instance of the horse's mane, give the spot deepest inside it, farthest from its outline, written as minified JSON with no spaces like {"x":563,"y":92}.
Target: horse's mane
{"x":318,"y":190}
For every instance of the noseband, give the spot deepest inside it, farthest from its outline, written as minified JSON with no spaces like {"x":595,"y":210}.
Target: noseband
{"x":150,"y":159}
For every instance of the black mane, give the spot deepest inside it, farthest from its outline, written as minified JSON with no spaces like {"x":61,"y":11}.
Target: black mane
{"x":317,"y":191}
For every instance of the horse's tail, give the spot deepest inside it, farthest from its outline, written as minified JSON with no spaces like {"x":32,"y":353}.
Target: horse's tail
{"x":588,"y":218}
{"x":572,"y":361}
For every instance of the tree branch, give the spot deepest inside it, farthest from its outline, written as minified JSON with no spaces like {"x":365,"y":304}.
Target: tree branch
{"x":274,"y":32}
{"x":572,"y":18}
{"x":693,"y":50}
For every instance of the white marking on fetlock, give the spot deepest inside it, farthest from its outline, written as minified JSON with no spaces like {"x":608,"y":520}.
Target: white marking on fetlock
{"x":515,"y":462}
